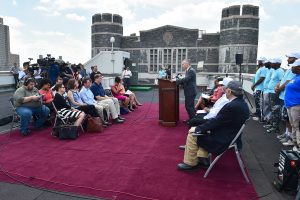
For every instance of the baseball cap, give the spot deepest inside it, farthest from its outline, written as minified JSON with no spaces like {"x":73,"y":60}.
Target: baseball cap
{"x":262,"y":59}
{"x":236,"y":86}
{"x":296,"y":63}
{"x":276,"y":60}
{"x":293,"y":55}
{"x":225,"y":81}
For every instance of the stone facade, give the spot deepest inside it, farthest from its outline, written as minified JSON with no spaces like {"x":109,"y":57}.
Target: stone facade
{"x":6,"y":58}
{"x":168,"y":45}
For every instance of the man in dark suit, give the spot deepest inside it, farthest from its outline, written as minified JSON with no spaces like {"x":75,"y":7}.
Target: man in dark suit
{"x":189,"y":87}
{"x":216,"y":134}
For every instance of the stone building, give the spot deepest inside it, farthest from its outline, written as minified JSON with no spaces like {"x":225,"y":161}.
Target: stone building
{"x":6,"y":58}
{"x":168,"y":45}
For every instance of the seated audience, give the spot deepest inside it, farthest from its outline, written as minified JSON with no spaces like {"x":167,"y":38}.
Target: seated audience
{"x":116,"y":92}
{"x":88,"y":97}
{"x":210,"y":100}
{"x":65,"y":111}
{"x":47,"y":93}
{"x":129,"y":94}
{"x":76,"y":102}
{"x":211,"y":112}
{"x":100,"y":95}
{"x":216,"y":134}
{"x":27,"y":101}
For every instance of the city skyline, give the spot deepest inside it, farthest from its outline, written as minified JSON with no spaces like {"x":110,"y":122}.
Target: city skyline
{"x":63,"y":28}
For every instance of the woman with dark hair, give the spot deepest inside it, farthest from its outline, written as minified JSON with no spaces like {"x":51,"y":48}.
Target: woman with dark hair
{"x":115,"y":89}
{"x":47,"y":93}
{"x":76,"y":102}
{"x":64,"y":110}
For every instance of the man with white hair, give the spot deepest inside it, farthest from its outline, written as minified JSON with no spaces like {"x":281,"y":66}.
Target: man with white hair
{"x":258,"y":86}
{"x":189,"y":87}
{"x":275,"y":104}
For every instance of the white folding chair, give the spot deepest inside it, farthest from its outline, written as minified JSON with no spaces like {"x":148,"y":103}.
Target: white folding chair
{"x":58,"y":117}
{"x":237,"y":153}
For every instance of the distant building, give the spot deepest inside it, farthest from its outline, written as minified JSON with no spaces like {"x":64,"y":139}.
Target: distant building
{"x":6,"y":58}
{"x":168,"y":45}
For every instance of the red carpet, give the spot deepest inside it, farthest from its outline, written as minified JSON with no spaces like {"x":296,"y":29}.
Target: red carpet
{"x":134,"y":160}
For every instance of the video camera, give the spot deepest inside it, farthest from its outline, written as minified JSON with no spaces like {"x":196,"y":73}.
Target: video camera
{"x":46,"y":62}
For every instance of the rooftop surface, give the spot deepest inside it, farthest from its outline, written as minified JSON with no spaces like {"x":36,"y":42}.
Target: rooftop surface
{"x":260,"y":151}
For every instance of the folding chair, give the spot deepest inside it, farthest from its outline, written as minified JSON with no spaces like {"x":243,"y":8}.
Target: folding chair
{"x":237,"y":153}
{"x":15,"y":116}
{"x":58,"y":117}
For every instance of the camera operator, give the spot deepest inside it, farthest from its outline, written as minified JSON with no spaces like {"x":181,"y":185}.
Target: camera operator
{"x":24,"y":74}
{"x":66,"y":71}
{"x":37,"y":75}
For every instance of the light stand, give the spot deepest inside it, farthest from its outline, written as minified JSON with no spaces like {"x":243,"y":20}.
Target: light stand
{"x":112,"y":40}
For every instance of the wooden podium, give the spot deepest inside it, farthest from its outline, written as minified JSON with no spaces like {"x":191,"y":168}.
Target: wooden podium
{"x":168,"y":102}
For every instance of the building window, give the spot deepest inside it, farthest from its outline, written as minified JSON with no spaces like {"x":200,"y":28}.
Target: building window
{"x":166,"y":58}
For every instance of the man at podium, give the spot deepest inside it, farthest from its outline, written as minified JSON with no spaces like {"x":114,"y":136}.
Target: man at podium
{"x":189,"y":87}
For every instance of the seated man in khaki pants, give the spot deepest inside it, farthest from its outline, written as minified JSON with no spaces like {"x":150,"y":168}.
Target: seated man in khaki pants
{"x":216,"y":134}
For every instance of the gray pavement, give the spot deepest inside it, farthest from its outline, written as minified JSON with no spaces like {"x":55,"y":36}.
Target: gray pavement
{"x":260,"y":151}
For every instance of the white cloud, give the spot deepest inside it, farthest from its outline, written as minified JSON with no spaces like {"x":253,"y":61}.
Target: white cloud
{"x":76,"y":17}
{"x":14,"y":2}
{"x":280,"y":42}
{"x":47,"y":33}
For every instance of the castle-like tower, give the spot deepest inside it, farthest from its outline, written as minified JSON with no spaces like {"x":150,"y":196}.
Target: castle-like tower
{"x":239,"y":34}
{"x":104,"y":27}
{"x":168,"y":45}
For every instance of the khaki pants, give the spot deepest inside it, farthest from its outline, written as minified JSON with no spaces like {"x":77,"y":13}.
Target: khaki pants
{"x":100,"y":107}
{"x":193,"y":151}
{"x":114,"y":107}
{"x":294,"y":118}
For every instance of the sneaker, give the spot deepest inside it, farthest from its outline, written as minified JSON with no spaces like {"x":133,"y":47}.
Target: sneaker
{"x":286,"y":139}
{"x":295,"y":148}
{"x":281,"y":136}
{"x":273,"y":130}
{"x":288,"y":143}
{"x":267,"y":126}
{"x":255,"y":118}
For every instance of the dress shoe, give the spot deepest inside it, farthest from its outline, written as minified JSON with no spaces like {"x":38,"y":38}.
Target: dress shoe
{"x":186,"y":167}
{"x":104,"y":126}
{"x":121,"y":118}
{"x":203,"y":163}
{"x":117,"y":121}
{"x":185,"y":121}
{"x":131,"y":109}
{"x":25,"y":133}
{"x":182,"y":147}
{"x":106,"y":123}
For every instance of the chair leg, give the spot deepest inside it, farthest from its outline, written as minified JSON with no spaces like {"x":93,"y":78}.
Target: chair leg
{"x":211,"y":165}
{"x":241,"y":165}
{"x":55,"y":120}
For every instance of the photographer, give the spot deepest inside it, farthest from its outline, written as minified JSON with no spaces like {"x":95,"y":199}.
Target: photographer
{"x":24,"y":74}
{"x":28,"y":103}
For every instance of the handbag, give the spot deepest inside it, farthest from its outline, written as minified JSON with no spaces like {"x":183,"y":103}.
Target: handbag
{"x":94,"y":125}
{"x":66,"y":132}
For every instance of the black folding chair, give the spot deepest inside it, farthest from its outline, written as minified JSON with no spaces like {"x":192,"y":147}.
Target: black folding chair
{"x":233,"y":144}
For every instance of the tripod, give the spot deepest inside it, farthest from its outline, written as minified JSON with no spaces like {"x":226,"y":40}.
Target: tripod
{"x":241,"y":80}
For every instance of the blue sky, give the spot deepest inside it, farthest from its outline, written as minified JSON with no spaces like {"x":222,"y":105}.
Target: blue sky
{"x":63,"y":27}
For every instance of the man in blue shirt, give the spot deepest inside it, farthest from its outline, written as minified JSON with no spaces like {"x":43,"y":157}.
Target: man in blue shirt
{"x":99,"y":93}
{"x":285,"y":138}
{"x":266,"y":102}
{"x":275,"y":104}
{"x":258,"y":86}
{"x":292,"y":103}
